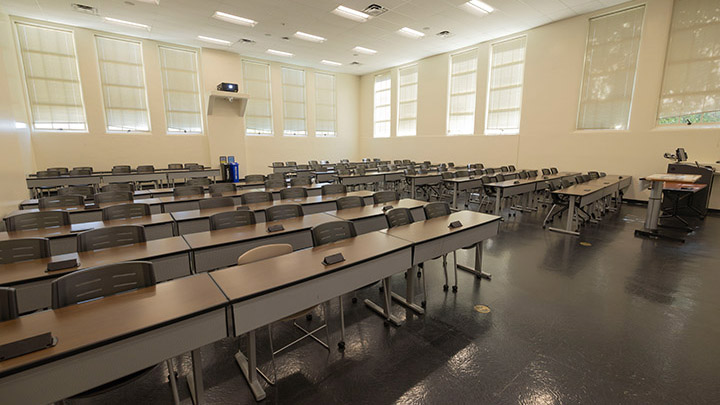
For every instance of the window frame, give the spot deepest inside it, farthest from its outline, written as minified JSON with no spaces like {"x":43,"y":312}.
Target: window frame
{"x":305,"y":102}
{"x":500,"y":132}
{"x":450,"y":94}
{"x":387,"y":74}
{"x":199,"y":94}
{"x":269,"y":100}
{"x":335,"y":121}
{"x":416,"y":83}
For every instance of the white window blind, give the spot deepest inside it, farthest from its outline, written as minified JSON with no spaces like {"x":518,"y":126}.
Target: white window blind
{"x":691,"y":86}
{"x":258,"y":114}
{"x":610,"y":65}
{"x":325,"y":109}
{"x":51,"y":75}
{"x":507,"y":68}
{"x":181,"y":90}
{"x":381,"y":114}
{"x":461,"y":107}
{"x":293,"y":86}
{"x":123,"y":84}
{"x":407,"y":101}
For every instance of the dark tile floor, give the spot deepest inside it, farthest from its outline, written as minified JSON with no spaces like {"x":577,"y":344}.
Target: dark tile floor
{"x":604,"y":318}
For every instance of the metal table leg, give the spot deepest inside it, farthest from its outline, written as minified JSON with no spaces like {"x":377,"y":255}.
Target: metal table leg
{"x":570,"y":224}
{"x":195,"y":380}
{"x":248,"y":365}
{"x":477,"y":271}
{"x":409,"y":300}
{"x":384,"y":311}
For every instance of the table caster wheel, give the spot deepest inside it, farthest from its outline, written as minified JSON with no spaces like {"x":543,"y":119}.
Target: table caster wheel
{"x":341,"y":346}
{"x":419,"y":274}
{"x":423,"y":304}
{"x":445,"y":287}
{"x":454,"y":288}
{"x":308,"y":317}
{"x":382,"y":288}
{"x":354,"y":300}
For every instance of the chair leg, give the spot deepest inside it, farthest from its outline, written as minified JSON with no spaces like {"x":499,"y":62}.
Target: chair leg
{"x":445,"y":286}
{"x":455,"y":267}
{"x":326,"y":315}
{"x":423,"y":303}
{"x":341,"y":343}
{"x":173,"y":381}
{"x":272,"y":352}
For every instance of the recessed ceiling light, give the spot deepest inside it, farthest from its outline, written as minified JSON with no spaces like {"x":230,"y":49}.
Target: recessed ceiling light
{"x":309,"y":37}
{"x":351,"y":14}
{"x":480,"y":6}
{"x":409,"y":32}
{"x":366,"y":51}
{"x":155,"y":2}
{"x":234,"y":19}
{"x":330,"y":63}
{"x":279,"y":53}
{"x":214,"y":40}
{"x":127,"y":23}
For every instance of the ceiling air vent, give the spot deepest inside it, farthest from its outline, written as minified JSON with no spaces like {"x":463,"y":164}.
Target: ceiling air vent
{"x":355,"y":63}
{"x":444,"y":34}
{"x":247,"y":41}
{"x":375,"y":10}
{"x":82,"y":8}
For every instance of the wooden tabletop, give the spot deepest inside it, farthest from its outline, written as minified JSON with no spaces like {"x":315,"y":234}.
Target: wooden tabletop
{"x":250,"y":280}
{"x":238,"y":234}
{"x":33,"y":270}
{"x":351,"y":214}
{"x":434,"y":228}
{"x":674,"y":178}
{"x":684,"y":187}
{"x":86,"y":326}
{"x":591,"y":186}
{"x":537,"y":179}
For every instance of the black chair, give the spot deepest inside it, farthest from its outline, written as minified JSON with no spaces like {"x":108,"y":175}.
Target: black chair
{"x":126,"y":211}
{"x":275,"y":183}
{"x":18,"y":250}
{"x":188,"y":191}
{"x":37,"y":220}
{"x":89,"y":168}
{"x":80,"y":172}
{"x":594,"y":175}
{"x":523,"y":175}
{"x":553,"y":170}
{"x":216,"y":202}
{"x":398,"y":216}
{"x":293,"y":192}
{"x":333,"y":189}
{"x":61,"y":170}
{"x":112,"y":236}
{"x":278,"y":164}
{"x":275,"y":176}
{"x":255,"y":178}
{"x":301,"y":181}
{"x":222,"y":188}
{"x":385,"y":196}
{"x":125,"y":187}
{"x":113,"y":196}
{"x":546,"y":172}
{"x":198,"y":181}
{"x":290,"y":163}
{"x":253,"y":197}
{"x":8,"y":304}
{"x":350,"y":201}
{"x":283,"y":211}
{"x":85,"y":191}
{"x":61,"y":201}
{"x":146,"y":169}
{"x":436,"y":210}
{"x":47,"y":173}
{"x":512,"y":168}
{"x":190,"y":165}
{"x":231,"y":219}
{"x":121,"y":169}
{"x":175,"y":166}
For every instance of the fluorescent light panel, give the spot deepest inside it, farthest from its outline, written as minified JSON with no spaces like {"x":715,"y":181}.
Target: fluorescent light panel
{"x":409,"y":32}
{"x":351,"y":14}
{"x":214,"y":40}
{"x":279,"y":53}
{"x":309,"y":37}
{"x":155,"y":2}
{"x":330,"y":63}
{"x":127,"y":23}
{"x":480,"y":6}
{"x":219,"y":15}
{"x":366,"y":51}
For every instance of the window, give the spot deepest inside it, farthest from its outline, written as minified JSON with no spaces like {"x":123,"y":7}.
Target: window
{"x":123,"y":84}
{"x":381,"y":115}
{"x":609,"y":78}
{"x":407,"y":101}
{"x":507,"y":66}
{"x":52,"y":78}
{"x":293,"y":86}
{"x":461,"y":108}
{"x":181,"y":90}
{"x":691,"y":86}
{"x":258,"y":113}
{"x":325,"y":114}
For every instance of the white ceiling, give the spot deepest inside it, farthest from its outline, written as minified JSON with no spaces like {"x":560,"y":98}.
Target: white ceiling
{"x":181,"y":21}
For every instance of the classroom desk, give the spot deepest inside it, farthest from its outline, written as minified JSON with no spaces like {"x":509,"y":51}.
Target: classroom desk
{"x":93,"y":213}
{"x":422,"y":180}
{"x":460,"y":184}
{"x":102,"y":340}
{"x":191,"y":174}
{"x":650,"y":228}
{"x":34,"y":182}
{"x":584,"y":194}
{"x":62,"y":238}
{"x":509,"y":188}
{"x":264,"y":292}
{"x":358,"y":179}
{"x":372,"y":217}
{"x":171,"y":257}
{"x":221,"y":248}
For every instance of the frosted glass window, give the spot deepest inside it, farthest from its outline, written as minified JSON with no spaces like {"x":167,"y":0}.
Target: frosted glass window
{"x":407,"y":101}
{"x":507,"y":67}
{"x":381,"y":115}
{"x":463,"y":83}
{"x":293,"y":86}
{"x":325,"y":105}
{"x":181,"y":90}
{"x":258,"y":113}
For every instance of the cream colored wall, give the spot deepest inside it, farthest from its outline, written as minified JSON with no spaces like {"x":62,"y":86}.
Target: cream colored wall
{"x":553,"y":75}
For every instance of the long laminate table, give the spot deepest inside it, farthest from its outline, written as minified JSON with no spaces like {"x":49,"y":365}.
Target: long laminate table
{"x":372,"y":217}
{"x":509,"y":188}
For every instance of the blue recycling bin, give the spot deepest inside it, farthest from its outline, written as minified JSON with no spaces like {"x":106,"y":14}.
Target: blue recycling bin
{"x":234,"y":172}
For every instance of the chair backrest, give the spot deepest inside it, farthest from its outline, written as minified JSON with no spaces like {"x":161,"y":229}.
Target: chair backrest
{"x":436,"y":209}
{"x":293,"y":192}
{"x":586,"y":177}
{"x":146,"y":169}
{"x":350,"y":201}
{"x":194,"y":166}
{"x":398,"y":162}
{"x":523,"y":175}
{"x":189,"y":191}
{"x":61,"y":170}
{"x":256,"y":197}
{"x":312,"y":162}
{"x":60,"y":201}
{"x":566,"y":183}
{"x":198,"y":181}
{"x":579,"y":179}
{"x":231,"y":219}
{"x":121,"y":169}
{"x":84,"y":168}
{"x":553,"y":170}
{"x":448,"y":175}
{"x":222,"y":188}
{"x":37,"y":220}
{"x":276,"y":176}
{"x":18,"y":250}
{"x":301,"y":181}
{"x":291,"y":163}
{"x":360,"y":170}
{"x":216,"y":202}
{"x":8,"y":304}
{"x":462,"y":173}
{"x":545,"y":172}
{"x":406,"y":161}
{"x":191,"y":164}
{"x":283,"y":211}
{"x":383,"y":169}
{"x":175,"y":166}
{"x":101,"y":281}
{"x":125,"y":211}
{"x":264,"y":252}
{"x":113,"y":196}
{"x":410,"y":171}
{"x":278,"y":164}
{"x":275,"y":183}
{"x":343,"y":171}
{"x":255,"y":178}
{"x":385,"y":196}
{"x":504,"y":169}
{"x":512,"y":168}
{"x":333,"y":189}
{"x":603,"y":174}
{"x":500,"y":177}
{"x":398,"y":216}
{"x":80,"y":172}
{"x":594,"y":175}
{"x":532,"y":173}
{"x":333,"y":231}
{"x":127,"y":187}
{"x":112,"y":236}
{"x":47,"y":173}
{"x":85,"y":191}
